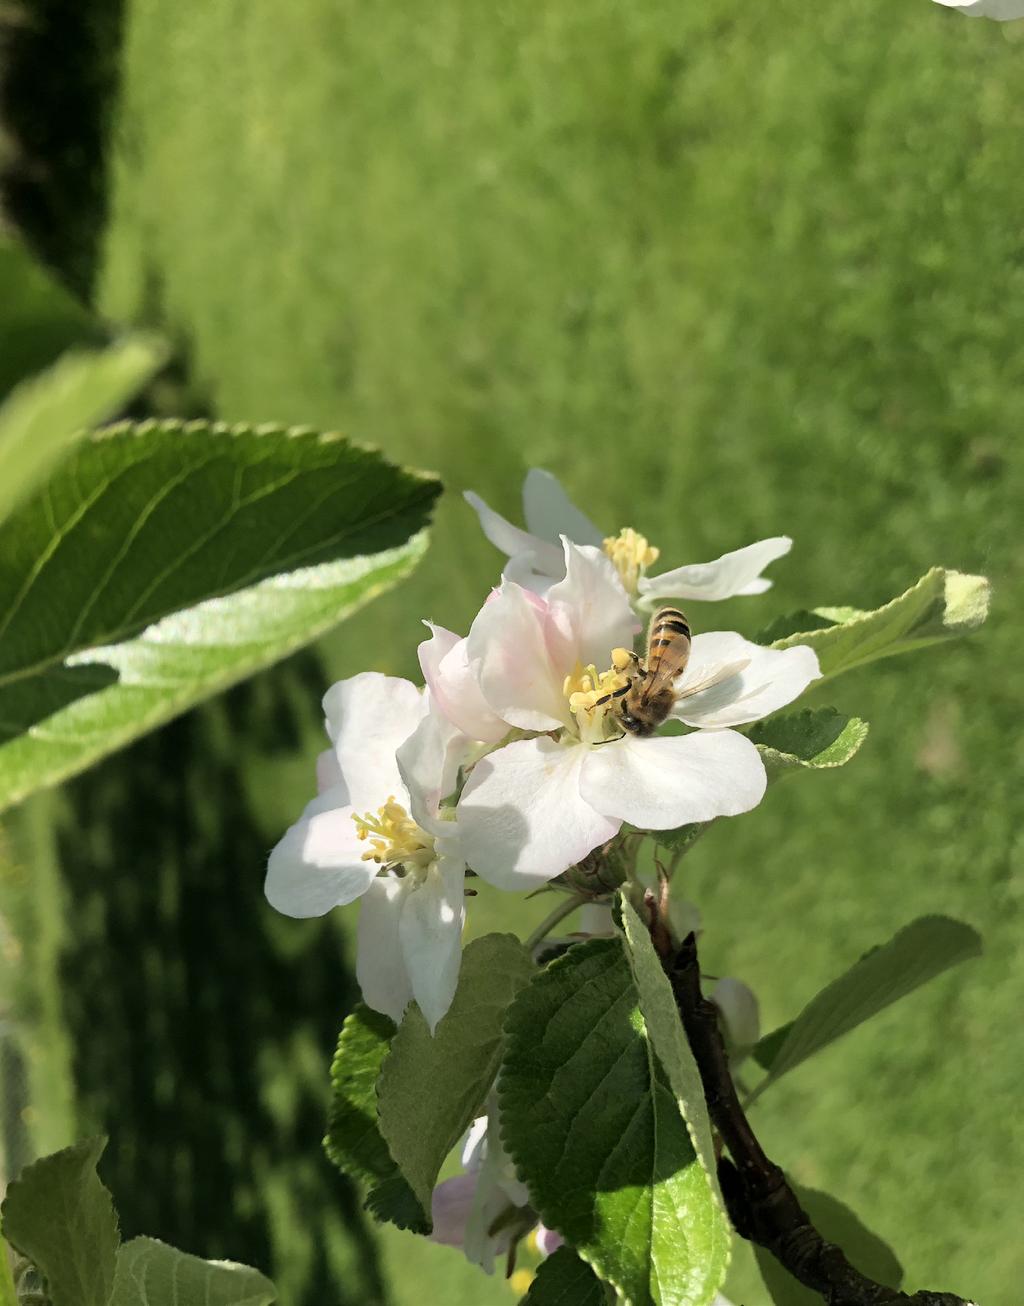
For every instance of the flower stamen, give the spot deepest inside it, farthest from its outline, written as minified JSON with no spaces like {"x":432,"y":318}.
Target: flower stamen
{"x":394,"y":837}
{"x":592,"y":695}
{"x":631,"y":555}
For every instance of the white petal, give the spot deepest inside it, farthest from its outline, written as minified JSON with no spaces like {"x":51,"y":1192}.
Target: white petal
{"x":328,"y":772}
{"x":318,"y":864}
{"x":590,"y":609}
{"x":759,"y":680}
{"x":512,"y":541}
{"x":368,"y":716}
{"x":549,"y":512}
{"x":738,"y":1005}
{"x":508,"y":650}
{"x":521,"y":817}
{"x":521,"y":571}
{"x":380,"y":969}
{"x":446,"y":669}
{"x":428,"y":763}
{"x":430,"y":934}
{"x":1002,"y":10}
{"x":474,"y":1144}
{"x":733,"y":573}
{"x":661,"y":783}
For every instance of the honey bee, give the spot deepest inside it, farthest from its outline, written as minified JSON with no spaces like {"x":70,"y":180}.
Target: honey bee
{"x":646,"y":702}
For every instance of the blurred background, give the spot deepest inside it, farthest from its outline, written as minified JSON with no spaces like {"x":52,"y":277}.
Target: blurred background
{"x":729,"y":271}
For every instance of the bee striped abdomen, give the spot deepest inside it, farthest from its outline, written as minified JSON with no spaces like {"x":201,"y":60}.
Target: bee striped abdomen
{"x":669,"y":629}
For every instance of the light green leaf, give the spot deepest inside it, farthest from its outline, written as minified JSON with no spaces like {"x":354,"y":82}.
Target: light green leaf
{"x":668,"y":1038}
{"x":354,"y":1141}
{"x":43,"y":414}
{"x":916,"y":954}
{"x":942,"y":605}
{"x":591,"y":1121}
{"x":149,"y":1273}
{"x":59,"y":1214}
{"x":837,"y":1224}
{"x":814,"y":739}
{"x":163,"y":562}
{"x":564,"y":1280}
{"x":431,"y":1089}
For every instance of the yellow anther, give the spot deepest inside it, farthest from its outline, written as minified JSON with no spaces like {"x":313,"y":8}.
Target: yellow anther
{"x":520,"y":1280}
{"x":632,"y":555}
{"x":393,"y":836}
{"x":621,"y":658}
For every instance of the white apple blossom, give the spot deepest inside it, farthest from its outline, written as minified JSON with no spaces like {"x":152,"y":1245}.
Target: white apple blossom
{"x":376,"y":832}
{"x":1002,"y":11}
{"x":536,"y":560}
{"x":536,"y":806}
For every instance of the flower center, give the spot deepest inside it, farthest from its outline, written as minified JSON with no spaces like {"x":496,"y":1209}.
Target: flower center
{"x":631,"y":554}
{"x":394,"y":837}
{"x":593,"y":696}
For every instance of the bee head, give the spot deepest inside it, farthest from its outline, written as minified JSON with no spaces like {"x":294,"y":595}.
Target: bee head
{"x":635,"y":725}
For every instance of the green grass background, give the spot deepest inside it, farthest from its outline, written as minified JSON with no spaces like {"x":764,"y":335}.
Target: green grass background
{"x":730,"y":271}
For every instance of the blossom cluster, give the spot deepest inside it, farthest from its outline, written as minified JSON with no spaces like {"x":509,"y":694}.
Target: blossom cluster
{"x":511,"y":763}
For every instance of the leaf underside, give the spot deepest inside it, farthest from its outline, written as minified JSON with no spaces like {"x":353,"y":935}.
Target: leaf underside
{"x":149,"y":1273}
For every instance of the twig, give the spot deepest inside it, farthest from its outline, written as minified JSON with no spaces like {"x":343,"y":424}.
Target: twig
{"x":549,"y":922}
{"x":761,"y":1204}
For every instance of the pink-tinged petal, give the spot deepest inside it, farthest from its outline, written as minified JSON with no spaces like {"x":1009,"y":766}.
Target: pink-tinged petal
{"x":729,"y":681}
{"x":430,"y":934}
{"x":549,"y":512}
{"x":428,"y":763}
{"x":328,"y":771}
{"x":450,"y":1205}
{"x":454,"y":685}
{"x":733,"y":573}
{"x":668,"y":781}
{"x":508,"y":650}
{"x":368,"y":716}
{"x":380,"y":969}
{"x":590,"y":610}
{"x":318,"y":864}
{"x":512,"y":541}
{"x":521,"y":818}
{"x":547,"y":1240}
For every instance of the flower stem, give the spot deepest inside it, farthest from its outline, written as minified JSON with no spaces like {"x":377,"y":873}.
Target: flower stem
{"x":549,"y":922}
{"x":8,"y":1293}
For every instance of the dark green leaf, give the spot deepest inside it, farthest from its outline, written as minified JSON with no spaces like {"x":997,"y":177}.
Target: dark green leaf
{"x":162,"y":563}
{"x":59,"y":1214}
{"x":42,"y":415}
{"x":565,"y":1280}
{"x":920,"y":951}
{"x":149,"y":1273}
{"x":591,"y":1121}
{"x":431,"y":1089}
{"x":837,"y":1224}
{"x":814,"y":739}
{"x":354,"y":1141}
{"x":943,"y":604}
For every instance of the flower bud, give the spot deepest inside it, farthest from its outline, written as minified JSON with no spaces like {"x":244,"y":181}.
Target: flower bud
{"x":740,"y":1016}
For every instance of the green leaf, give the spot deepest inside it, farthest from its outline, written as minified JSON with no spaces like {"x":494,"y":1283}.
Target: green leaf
{"x":942,"y":605}
{"x":837,"y":1224}
{"x":59,"y":1214}
{"x":163,"y":562}
{"x":149,"y":1273}
{"x":44,"y":413}
{"x":591,"y":1121}
{"x":354,"y":1141}
{"x":431,"y":1089}
{"x":917,"y":953}
{"x":565,"y":1280}
{"x":814,"y":739}
{"x":668,"y":1038}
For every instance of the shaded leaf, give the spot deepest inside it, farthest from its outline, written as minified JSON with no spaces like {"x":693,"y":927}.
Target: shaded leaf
{"x":163,"y":562}
{"x":431,"y":1089}
{"x":149,"y":1273}
{"x":59,"y":1214}
{"x":354,"y":1141}
{"x":917,"y":953}
{"x":837,"y":1224}
{"x":591,"y":1121}
{"x":43,"y":414}
{"x":565,"y":1280}
{"x":813,"y":739}
{"x":942,"y":605}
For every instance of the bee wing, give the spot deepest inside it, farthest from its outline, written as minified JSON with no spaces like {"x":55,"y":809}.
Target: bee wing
{"x":714,"y":677}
